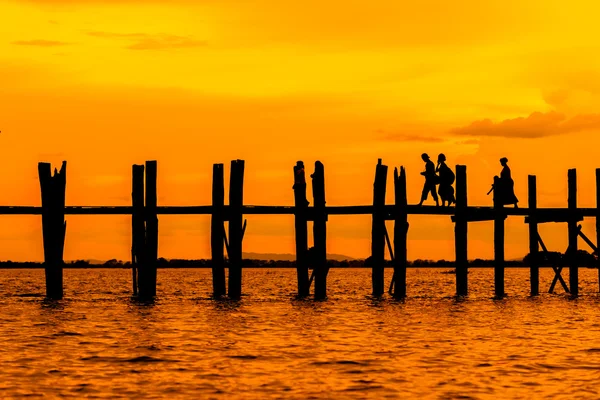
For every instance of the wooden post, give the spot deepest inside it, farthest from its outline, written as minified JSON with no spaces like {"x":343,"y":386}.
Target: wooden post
{"x":573,"y":233}
{"x":53,"y":188}
{"x":498,"y":246}
{"x":147,"y":271}
{"x":138,"y":227}
{"x":217,"y":232}
{"x":300,"y":219}
{"x":400,"y":233}
{"x":598,"y":222}
{"x":319,"y":232}
{"x":460,"y":231}
{"x":534,"y":247}
{"x":378,"y":229}
{"x":236,"y":200}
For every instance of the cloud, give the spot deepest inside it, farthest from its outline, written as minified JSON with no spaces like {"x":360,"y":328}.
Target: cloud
{"x":536,"y":125}
{"x":407,"y":137}
{"x":144,"y":41}
{"x":40,"y":43}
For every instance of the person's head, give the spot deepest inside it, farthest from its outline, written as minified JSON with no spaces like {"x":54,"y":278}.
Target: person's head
{"x":503,"y":161}
{"x":425,"y":157}
{"x":441,"y":158}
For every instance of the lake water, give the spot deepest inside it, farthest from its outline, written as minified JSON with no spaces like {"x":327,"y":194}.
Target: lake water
{"x":99,"y":343}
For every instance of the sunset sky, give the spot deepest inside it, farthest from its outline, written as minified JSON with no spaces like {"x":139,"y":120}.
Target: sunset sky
{"x":105,"y":84}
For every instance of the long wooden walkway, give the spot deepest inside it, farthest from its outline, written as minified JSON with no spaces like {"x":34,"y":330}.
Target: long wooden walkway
{"x":144,"y":213}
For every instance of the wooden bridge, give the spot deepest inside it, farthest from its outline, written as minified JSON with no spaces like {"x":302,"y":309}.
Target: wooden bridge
{"x":144,"y":213}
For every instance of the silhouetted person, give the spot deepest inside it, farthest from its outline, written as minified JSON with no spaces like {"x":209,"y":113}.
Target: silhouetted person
{"x":446,"y":179}
{"x":504,"y":186}
{"x":430,"y":180}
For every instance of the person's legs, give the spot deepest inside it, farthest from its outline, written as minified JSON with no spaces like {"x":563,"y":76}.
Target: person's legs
{"x":424,"y":193}
{"x":434,"y":194}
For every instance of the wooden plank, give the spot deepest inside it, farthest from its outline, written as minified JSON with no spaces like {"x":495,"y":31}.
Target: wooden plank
{"x":236,"y":201}
{"x":217,"y":233}
{"x":460,"y":232}
{"x":301,"y":229}
{"x":534,"y":248}
{"x":378,"y":230}
{"x":400,"y":234}
{"x":53,"y":188}
{"x":148,"y":270}
{"x":319,"y":257}
{"x":573,"y":234}
{"x":138,"y":226}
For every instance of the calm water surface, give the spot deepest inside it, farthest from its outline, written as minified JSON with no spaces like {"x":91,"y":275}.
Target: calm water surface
{"x":99,"y":343}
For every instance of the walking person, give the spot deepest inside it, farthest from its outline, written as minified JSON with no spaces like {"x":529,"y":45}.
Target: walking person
{"x":430,"y":180}
{"x":504,"y":186}
{"x":446,"y":178}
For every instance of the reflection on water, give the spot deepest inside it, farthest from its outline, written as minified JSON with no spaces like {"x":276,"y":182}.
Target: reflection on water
{"x":99,"y":342}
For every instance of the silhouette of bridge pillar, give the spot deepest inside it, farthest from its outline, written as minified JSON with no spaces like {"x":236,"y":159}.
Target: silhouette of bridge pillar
{"x":400,"y":234}
{"x":499,"y":218}
{"x":534,"y":247}
{"x":301,"y":229}
{"x":378,"y":229}
{"x":319,"y":258}
{"x":54,"y":226}
{"x":217,"y":232}
{"x":460,"y":231}
{"x":236,"y":229}
{"x":573,"y":233}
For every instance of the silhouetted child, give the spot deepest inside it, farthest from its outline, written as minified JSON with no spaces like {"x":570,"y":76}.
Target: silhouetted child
{"x":446,"y":178}
{"x":430,"y":180}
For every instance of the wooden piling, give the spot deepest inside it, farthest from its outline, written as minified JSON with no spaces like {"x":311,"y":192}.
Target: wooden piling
{"x":147,"y":271}
{"x":400,"y":234}
{"x":460,"y":231}
{"x":378,"y":229}
{"x":217,"y":232}
{"x":319,"y":232}
{"x":573,"y":233}
{"x":236,"y":201}
{"x":499,"y":218}
{"x":598,"y":222}
{"x":534,"y":247}
{"x":138,"y":227}
{"x":301,"y":228}
{"x":53,"y":188}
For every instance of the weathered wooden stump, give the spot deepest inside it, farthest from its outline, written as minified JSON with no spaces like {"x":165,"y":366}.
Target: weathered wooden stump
{"x":217,"y":231}
{"x":400,"y":234}
{"x":54,"y":226}
{"x":460,"y":232}
{"x":301,"y":228}
{"x":319,"y":232}
{"x":378,"y":230}
{"x":236,"y":201}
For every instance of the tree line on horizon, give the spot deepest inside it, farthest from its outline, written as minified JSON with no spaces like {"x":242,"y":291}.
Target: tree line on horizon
{"x":584,"y":259}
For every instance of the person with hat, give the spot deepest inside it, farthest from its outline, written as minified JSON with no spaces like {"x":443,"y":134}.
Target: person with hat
{"x":504,"y":186}
{"x":446,"y":179}
{"x":430,"y":180}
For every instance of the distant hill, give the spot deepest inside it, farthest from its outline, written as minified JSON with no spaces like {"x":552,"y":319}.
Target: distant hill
{"x":289,"y":257}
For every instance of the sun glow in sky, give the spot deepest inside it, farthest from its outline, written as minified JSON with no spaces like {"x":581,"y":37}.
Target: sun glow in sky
{"x":105,"y":84}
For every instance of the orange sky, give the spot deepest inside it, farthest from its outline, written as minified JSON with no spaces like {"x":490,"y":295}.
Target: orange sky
{"x":105,"y":84}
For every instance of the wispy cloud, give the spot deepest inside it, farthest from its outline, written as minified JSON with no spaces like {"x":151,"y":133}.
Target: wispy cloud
{"x":536,"y":125}
{"x":40,"y":43}
{"x":407,"y":137}
{"x":144,"y":41}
